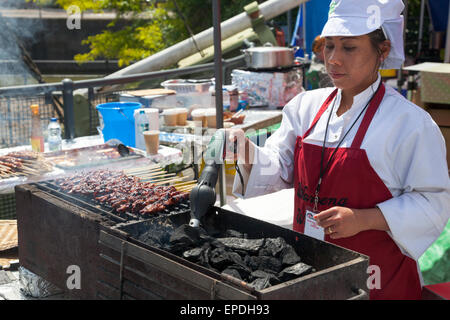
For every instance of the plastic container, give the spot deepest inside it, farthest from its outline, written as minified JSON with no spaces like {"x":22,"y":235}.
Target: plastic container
{"x":141,"y":124}
{"x":54,"y":135}
{"x":117,"y":121}
{"x":187,"y":86}
{"x":37,"y":137}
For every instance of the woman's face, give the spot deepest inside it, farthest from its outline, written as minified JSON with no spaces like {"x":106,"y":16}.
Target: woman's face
{"x":351,"y":62}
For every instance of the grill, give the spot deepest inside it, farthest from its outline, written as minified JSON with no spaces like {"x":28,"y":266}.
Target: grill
{"x":57,"y":230}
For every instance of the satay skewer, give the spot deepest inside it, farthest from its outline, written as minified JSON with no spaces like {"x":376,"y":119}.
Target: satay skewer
{"x":166,"y":181}
{"x":185,"y":183}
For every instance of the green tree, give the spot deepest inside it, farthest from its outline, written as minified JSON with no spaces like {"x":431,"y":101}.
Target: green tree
{"x":153,"y":25}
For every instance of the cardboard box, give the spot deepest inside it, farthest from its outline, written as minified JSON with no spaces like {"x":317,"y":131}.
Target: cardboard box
{"x":442,"y":118}
{"x":435,"y":81}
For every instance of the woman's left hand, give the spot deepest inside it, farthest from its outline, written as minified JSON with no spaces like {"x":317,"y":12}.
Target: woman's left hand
{"x":339,"y":222}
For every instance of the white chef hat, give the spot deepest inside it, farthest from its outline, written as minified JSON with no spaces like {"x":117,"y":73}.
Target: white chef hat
{"x":359,"y":17}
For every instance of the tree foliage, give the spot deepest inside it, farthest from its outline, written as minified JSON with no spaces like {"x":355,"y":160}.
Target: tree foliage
{"x":151,"y":25}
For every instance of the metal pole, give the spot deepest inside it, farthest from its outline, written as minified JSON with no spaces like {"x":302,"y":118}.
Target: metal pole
{"x":447,"y":42}
{"x":289,"y":27}
{"x":422,"y":12}
{"x":69,"y":124}
{"x":304,"y":28}
{"x":218,"y":74}
{"x":400,"y":79}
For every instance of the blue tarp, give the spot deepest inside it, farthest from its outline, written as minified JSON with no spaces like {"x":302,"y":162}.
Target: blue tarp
{"x":316,"y":17}
{"x":439,"y":14}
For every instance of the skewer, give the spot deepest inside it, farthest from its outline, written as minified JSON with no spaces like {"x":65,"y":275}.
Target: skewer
{"x":159,"y":174}
{"x":160,"y":178}
{"x":186,"y":189}
{"x":185,"y":183}
{"x":149,"y":168}
{"x":166,"y":181}
{"x":237,"y":113}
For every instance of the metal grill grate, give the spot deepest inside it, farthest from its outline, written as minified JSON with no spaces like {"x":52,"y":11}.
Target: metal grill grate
{"x":106,"y":211}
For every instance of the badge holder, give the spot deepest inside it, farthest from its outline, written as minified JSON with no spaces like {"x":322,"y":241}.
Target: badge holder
{"x":312,"y":228}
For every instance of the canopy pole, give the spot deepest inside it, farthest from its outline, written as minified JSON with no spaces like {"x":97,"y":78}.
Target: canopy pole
{"x":218,"y":75}
{"x":422,"y":13}
{"x":447,"y":42}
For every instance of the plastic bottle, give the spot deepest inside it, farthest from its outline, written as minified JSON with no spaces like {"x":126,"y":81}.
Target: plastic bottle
{"x":141,"y":124}
{"x":37,"y":138}
{"x":226,"y":99}
{"x":54,"y":135}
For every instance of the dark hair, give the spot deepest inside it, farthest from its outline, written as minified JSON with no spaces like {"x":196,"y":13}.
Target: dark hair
{"x":377,"y":37}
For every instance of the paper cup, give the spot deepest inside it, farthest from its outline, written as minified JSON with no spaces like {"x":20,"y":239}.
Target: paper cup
{"x":182,"y":116}
{"x":151,"y":141}
{"x":198,"y":115}
{"x":171,"y":117}
{"x":210,"y":115}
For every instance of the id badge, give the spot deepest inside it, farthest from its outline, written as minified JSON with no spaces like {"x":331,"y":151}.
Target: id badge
{"x":312,"y":229}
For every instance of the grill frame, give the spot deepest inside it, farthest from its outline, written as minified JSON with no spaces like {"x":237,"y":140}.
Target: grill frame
{"x":55,"y":233}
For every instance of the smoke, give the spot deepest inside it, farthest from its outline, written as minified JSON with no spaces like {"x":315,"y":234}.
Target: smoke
{"x":16,"y":66}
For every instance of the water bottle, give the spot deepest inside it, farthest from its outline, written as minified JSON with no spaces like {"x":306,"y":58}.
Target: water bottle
{"x":54,"y":135}
{"x":141,"y":124}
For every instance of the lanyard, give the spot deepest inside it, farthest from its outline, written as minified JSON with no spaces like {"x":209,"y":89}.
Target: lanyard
{"x":322,"y":169}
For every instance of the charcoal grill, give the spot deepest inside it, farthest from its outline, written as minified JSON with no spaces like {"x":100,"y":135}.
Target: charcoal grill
{"x":57,"y":230}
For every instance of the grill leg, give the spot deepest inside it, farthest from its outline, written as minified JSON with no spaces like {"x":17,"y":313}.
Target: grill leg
{"x":122,"y":258}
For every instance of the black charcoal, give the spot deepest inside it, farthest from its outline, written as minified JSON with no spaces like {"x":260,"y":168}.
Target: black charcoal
{"x":297,"y":270}
{"x":260,"y":283}
{"x":193,"y":254}
{"x":220,"y":258}
{"x":260,"y":262}
{"x":185,"y":235}
{"x":235,"y":234}
{"x":243,"y":270}
{"x":272,"y":247}
{"x":273,"y":279}
{"x":249,"y":245}
{"x":288,"y":256}
{"x":265,"y":263}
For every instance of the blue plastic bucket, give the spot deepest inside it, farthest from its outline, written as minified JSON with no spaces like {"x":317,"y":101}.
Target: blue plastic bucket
{"x":117,"y":121}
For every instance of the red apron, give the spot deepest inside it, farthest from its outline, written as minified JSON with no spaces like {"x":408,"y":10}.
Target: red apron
{"x":351,"y":182}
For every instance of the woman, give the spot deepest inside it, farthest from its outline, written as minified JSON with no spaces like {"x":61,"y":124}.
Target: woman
{"x":368,"y":166}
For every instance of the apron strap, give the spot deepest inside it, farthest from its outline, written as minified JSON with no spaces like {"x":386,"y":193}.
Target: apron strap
{"x":321,"y":111}
{"x":373,"y":107}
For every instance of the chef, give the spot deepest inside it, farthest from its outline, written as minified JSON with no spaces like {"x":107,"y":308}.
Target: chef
{"x":368,"y":166}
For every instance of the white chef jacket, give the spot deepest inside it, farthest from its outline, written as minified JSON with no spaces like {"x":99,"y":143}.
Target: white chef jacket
{"x":405,"y":148}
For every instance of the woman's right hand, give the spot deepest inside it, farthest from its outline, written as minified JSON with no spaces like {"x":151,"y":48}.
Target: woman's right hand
{"x":239,"y":148}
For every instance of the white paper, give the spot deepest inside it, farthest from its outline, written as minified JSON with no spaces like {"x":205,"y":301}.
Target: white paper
{"x":312,"y":229}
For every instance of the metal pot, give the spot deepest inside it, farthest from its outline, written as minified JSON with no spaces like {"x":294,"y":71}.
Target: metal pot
{"x":269,"y":57}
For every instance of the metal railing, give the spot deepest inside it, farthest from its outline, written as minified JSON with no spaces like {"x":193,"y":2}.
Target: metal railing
{"x":57,"y":99}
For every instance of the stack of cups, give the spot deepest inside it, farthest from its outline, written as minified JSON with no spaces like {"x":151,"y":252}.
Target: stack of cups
{"x":198,"y":115}
{"x":182,"y":116}
{"x":175,"y":117}
{"x":151,"y":141}
{"x":210,"y":115}
{"x":170,"y":117}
